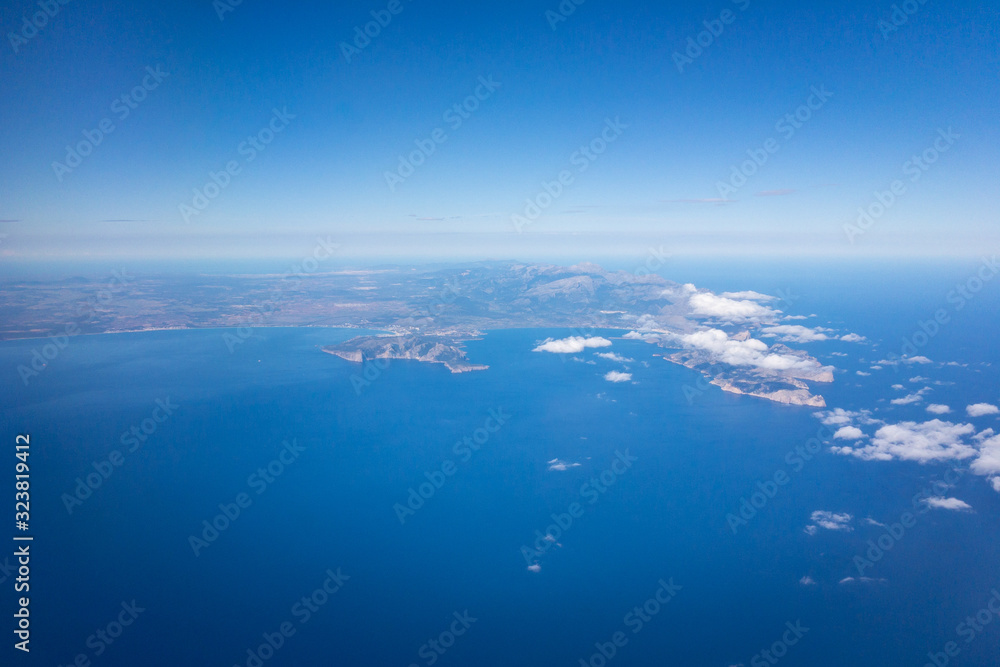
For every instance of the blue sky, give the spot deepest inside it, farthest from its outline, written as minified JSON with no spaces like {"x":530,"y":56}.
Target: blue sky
{"x":887,"y":96}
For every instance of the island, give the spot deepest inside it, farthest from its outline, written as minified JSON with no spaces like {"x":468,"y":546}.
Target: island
{"x":429,"y":349}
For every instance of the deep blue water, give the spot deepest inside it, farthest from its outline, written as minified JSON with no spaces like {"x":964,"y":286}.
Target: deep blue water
{"x":333,"y":506}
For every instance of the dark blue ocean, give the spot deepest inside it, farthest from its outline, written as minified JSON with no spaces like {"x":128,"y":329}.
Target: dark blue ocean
{"x":320,"y":461}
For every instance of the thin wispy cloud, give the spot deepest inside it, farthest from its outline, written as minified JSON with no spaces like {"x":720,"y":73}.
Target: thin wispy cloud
{"x":710,"y":200}
{"x":561,"y":466}
{"x":775,"y":193}
{"x":612,"y":356}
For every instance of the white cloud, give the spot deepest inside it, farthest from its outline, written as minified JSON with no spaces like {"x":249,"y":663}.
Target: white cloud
{"x":747,"y":352}
{"x":927,"y":442}
{"x":919,"y":378}
{"x":707,"y":304}
{"x":981,"y":410}
{"x":872,"y":522}
{"x":853,"y":338}
{"x":938,"y":409}
{"x":795,"y":333}
{"x":842,"y":417}
{"x":615,"y":376}
{"x":898,"y":387}
{"x":535,"y":568}
{"x":611,"y":356}
{"x":917,"y":360}
{"x":832,"y":520}
{"x":863,"y":374}
{"x":807,"y":581}
{"x":995,"y":481}
{"x":988,"y":462}
{"x":953,"y":504}
{"x":935,"y":440}
{"x":560,"y":465}
{"x":571,"y":345}
{"x":849,"y":433}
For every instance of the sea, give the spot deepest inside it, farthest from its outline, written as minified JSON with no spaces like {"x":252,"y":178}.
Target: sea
{"x":194,"y":502}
